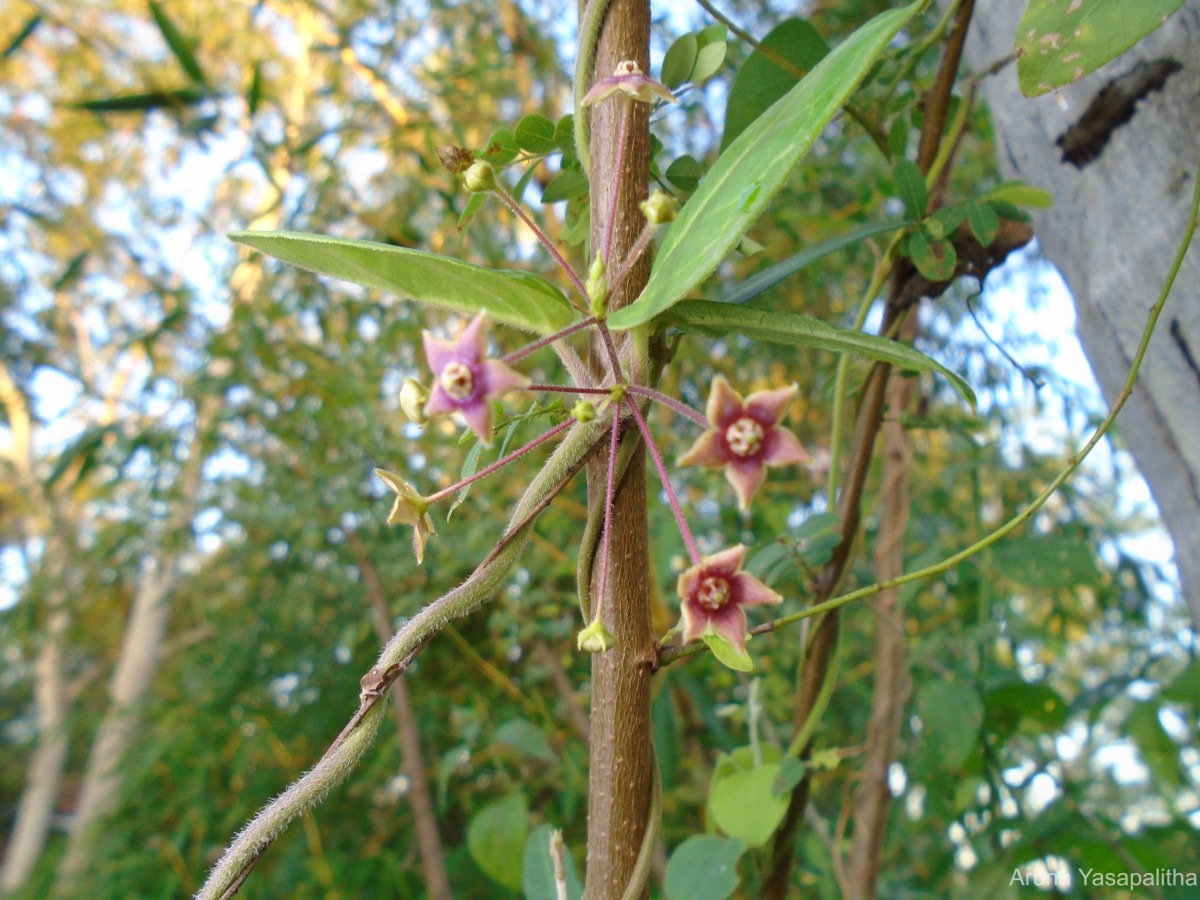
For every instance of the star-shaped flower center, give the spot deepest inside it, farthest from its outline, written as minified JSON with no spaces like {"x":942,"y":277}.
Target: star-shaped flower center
{"x":713,"y":592}
{"x":744,"y":437}
{"x":458,"y":381}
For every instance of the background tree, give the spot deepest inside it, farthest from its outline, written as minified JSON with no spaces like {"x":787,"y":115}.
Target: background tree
{"x":1115,"y":150}
{"x":1037,"y":713}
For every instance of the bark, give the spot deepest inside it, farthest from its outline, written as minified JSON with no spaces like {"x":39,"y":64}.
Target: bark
{"x":621,"y":755}
{"x":35,"y":809}
{"x":429,"y":840}
{"x":1119,"y":210}
{"x":874,"y":799}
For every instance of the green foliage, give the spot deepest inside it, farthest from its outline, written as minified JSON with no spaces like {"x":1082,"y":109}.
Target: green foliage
{"x":512,"y":297}
{"x":753,"y":169}
{"x":762,"y":79}
{"x":1060,"y":42}
{"x":704,"y":867}
{"x":742,"y":800}
{"x":538,"y":881}
{"x":496,"y":838}
{"x":798,"y":330}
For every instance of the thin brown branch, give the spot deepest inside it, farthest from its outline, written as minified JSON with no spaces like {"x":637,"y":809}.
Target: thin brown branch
{"x":823,"y":638}
{"x":873,"y":800}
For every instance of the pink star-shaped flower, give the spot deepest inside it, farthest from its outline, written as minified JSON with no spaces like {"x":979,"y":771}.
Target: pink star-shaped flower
{"x":464,"y":381}
{"x":744,"y":437}
{"x":628,"y":79}
{"x":714,"y":593}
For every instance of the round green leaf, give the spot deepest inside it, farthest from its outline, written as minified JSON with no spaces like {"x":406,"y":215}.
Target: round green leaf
{"x":710,"y":53}
{"x":704,"y":867}
{"x":496,"y":839}
{"x":744,"y":804}
{"x":677,"y":64}
{"x":685,"y":173}
{"x":535,"y":134}
{"x":953,"y":713}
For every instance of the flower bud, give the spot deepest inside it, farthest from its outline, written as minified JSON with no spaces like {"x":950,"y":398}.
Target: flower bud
{"x":480,"y":177}
{"x":596,"y":638}
{"x":413,"y":397}
{"x":597,"y":287}
{"x":659,"y":208}
{"x":584,"y":411}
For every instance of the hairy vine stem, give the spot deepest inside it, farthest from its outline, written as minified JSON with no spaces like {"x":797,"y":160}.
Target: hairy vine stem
{"x":346,"y":751}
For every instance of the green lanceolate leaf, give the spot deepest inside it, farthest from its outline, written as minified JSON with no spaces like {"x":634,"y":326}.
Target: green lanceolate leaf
{"x":910,"y":188}
{"x":180,"y":45}
{"x":766,"y":279}
{"x":798,"y":330}
{"x":753,"y":169}
{"x":514,"y":298}
{"x":1059,"y":41}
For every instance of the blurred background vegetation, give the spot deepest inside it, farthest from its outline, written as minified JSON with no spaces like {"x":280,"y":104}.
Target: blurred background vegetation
{"x":190,"y":532}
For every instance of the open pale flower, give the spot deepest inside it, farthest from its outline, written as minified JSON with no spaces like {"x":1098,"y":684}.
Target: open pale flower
{"x":714,"y":593}
{"x":744,"y":437}
{"x":464,"y":381}
{"x":410,"y":508}
{"x":628,"y":79}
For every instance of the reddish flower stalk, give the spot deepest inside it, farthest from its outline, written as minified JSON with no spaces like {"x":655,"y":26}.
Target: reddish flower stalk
{"x":670,"y":402}
{"x":566,"y":389}
{"x":500,"y":463}
{"x":513,"y":205}
{"x":693,"y":553}
{"x":546,"y":341}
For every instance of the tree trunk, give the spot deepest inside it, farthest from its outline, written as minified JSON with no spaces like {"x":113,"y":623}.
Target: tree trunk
{"x":137,"y":662}
{"x":1112,"y":232}
{"x":620,"y":774}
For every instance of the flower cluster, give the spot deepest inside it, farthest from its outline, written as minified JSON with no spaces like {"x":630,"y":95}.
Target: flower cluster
{"x":741,"y":435}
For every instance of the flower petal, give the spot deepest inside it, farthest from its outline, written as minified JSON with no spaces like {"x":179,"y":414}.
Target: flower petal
{"x":472,"y":342}
{"x":709,"y":450}
{"x":601,"y":90}
{"x":782,"y":448}
{"x":440,"y":403}
{"x":478,"y":414}
{"x":724,"y":404}
{"x":746,"y":476}
{"x":767,"y":407}
{"x":730,"y":623}
{"x":746,"y":590}
{"x":695,"y":621}
{"x":725,"y":563}
{"x":438,"y":353}
{"x":499,"y":378}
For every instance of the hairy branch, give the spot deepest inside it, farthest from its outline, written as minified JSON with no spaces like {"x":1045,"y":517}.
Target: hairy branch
{"x":345,"y":752}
